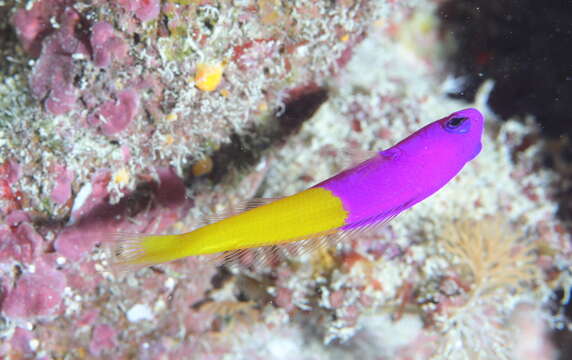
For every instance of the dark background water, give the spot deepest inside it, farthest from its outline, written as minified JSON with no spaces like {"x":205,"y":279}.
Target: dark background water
{"x":526,"y":47}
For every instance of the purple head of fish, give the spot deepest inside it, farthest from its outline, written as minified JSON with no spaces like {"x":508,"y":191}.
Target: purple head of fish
{"x":464,"y":130}
{"x":455,"y":139}
{"x":410,"y":171}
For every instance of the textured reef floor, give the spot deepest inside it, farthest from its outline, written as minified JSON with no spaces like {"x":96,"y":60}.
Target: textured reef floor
{"x":148,"y":116}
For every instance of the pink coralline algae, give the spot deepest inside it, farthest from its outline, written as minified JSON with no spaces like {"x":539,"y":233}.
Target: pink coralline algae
{"x":88,"y":318}
{"x":106,"y":45}
{"x":72,"y":242}
{"x":103,"y":338}
{"x":75,"y":242}
{"x":20,"y":342}
{"x":35,"y":294}
{"x":19,"y":243}
{"x":16,"y":218}
{"x":145,"y":10}
{"x":61,"y":192}
{"x":53,"y":75}
{"x":33,"y":25}
{"x":10,"y":172}
{"x":115,"y":116}
{"x":60,"y":36}
{"x":83,"y":279}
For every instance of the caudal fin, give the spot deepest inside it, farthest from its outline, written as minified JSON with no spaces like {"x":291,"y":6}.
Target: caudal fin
{"x":135,"y":251}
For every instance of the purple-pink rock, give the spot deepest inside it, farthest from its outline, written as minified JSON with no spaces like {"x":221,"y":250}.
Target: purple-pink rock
{"x":115,"y":116}
{"x":33,"y":25}
{"x":35,"y":294}
{"x":75,"y":241}
{"x":96,"y":197}
{"x":10,"y":171}
{"x":106,"y":46}
{"x":20,"y":342}
{"x":103,"y":338}
{"x":52,"y":76}
{"x":17,"y":217}
{"x":88,"y":317}
{"x":61,"y":192}
{"x":145,"y":10}
{"x":20,"y":243}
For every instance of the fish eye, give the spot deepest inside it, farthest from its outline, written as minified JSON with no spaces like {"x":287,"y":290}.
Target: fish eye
{"x":458,"y":125}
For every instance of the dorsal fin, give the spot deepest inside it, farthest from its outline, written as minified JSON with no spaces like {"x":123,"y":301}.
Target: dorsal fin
{"x":238,"y":208}
{"x":352,"y":157}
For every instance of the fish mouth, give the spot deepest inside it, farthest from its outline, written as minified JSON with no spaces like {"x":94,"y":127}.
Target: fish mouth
{"x":477,"y":150}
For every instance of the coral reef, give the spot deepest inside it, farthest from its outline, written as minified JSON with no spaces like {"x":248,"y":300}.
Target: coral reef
{"x":147,"y":116}
{"x":164,"y":84}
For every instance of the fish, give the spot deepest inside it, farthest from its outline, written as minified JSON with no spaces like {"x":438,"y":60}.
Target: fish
{"x":364,"y":196}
